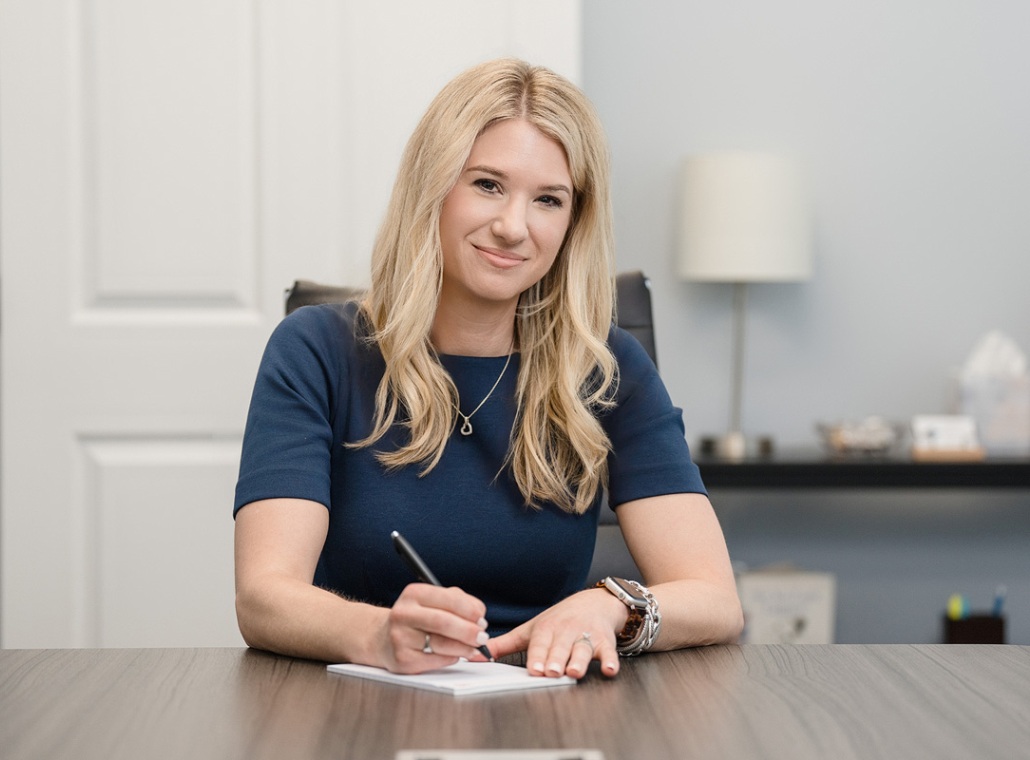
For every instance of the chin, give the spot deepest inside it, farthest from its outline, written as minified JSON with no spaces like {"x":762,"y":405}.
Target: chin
{"x":503,"y":288}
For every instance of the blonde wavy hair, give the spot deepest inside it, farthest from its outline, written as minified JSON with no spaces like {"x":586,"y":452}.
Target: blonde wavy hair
{"x":558,"y":449}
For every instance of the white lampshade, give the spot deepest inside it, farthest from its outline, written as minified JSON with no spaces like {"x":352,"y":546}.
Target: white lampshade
{"x":745,"y":218}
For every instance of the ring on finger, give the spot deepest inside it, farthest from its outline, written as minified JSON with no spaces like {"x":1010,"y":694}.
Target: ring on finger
{"x":586,"y":639}
{"x":427,"y":648}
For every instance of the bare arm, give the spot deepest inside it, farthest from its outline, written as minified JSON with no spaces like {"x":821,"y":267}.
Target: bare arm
{"x":278,"y":542}
{"x":679,"y":547}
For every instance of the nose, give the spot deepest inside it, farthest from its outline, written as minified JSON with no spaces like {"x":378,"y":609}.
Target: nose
{"x":510,"y":224}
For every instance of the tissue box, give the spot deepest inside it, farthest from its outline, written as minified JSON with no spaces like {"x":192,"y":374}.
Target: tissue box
{"x":787,"y":606}
{"x":1001,"y":408}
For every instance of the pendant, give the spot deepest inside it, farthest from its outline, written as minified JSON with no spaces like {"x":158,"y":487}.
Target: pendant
{"x":466,"y":428}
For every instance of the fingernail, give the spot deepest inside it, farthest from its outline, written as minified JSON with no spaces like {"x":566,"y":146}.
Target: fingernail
{"x":538,"y":667}
{"x":554,"y":668}
{"x":482,"y":637}
{"x":483,"y":624}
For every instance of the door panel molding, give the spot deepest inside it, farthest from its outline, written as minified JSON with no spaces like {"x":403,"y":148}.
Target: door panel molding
{"x":166,"y":170}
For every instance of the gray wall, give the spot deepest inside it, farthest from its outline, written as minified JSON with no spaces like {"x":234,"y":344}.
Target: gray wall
{"x":897,"y":555}
{"x":913,"y":120}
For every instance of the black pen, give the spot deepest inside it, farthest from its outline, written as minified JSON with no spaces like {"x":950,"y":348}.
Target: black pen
{"x":422,"y":572}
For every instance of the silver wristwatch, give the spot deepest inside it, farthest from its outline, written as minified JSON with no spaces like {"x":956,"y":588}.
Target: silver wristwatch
{"x":645,"y":620}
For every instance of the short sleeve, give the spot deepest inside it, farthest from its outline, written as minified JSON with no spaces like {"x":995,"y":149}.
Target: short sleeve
{"x":288,"y":438}
{"x":650,"y":455}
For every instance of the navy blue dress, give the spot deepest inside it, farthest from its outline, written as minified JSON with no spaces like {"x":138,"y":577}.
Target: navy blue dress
{"x":315,"y":391}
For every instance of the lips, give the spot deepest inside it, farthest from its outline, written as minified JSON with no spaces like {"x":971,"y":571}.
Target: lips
{"x":499,"y":258}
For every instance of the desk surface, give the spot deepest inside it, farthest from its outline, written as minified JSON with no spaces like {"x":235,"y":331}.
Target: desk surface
{"x":841,"y":701}
{"x":811,"y":468}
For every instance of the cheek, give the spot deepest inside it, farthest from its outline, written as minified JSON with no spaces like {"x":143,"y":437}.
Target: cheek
{"x":450,"y":232}
{"x":555,"y":236}
{"x":446,"y":218}
{"x":460,"y":215}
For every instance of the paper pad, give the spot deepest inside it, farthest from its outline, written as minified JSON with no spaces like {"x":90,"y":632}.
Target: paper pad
{"x":459,"y":679}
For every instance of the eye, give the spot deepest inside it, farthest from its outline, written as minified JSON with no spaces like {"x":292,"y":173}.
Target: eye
{"x":551,"y":201}
{"x":487,"y":185}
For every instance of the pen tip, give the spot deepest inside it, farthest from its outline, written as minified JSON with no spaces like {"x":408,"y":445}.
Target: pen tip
{"x":394,"y":534}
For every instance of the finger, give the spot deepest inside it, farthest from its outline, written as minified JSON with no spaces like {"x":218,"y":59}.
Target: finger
{"x":581,"y":653}
{"x":405,"y":641}
{"x":515,"y":640}
{"x":452,"y":599}
{"x":415,"y":651}
{"x":434,"y":612}
{"x":410,"y":653}
{"x":608,"y":656}
{"x":452,"y":636}
{"x":560,"y":653}
{"x":537,"y":653}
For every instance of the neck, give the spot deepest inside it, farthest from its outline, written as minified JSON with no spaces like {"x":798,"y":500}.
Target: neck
{"x":483,"y":334}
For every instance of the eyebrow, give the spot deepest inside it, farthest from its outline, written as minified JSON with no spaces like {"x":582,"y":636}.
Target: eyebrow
{"x":504,"y":175}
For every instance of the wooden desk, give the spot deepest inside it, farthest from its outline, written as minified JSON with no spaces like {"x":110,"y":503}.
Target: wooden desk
{"x":838,"y":702}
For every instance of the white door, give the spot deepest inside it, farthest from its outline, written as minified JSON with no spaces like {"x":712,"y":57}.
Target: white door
{"x":166,"y":169}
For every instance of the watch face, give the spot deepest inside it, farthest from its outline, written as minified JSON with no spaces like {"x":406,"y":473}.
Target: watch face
{"x":626,"y":591}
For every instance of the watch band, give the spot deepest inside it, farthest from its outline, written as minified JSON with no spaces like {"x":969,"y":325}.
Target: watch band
{"x":636,"y":619}
{"x":644,"y":621}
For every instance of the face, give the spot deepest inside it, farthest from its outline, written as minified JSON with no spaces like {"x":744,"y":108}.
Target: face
{"x":504,"y":220}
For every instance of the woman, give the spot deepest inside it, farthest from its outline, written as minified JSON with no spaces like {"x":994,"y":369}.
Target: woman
{"x":478,"y":401}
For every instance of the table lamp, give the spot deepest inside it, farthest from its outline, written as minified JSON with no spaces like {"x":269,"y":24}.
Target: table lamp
{"x":745,"y":219}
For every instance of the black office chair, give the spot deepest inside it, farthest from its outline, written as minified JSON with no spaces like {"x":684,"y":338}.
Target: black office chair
{"x":633,"y":314}
{"x":632,"y":298}
{"x":633,"y":309}
{"x":309,"y":293}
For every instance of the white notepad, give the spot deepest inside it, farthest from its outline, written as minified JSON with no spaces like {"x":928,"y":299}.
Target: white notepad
{"x":461,"y":678}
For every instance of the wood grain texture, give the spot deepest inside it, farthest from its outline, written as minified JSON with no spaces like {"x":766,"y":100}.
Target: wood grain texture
{"x":839,"y":701}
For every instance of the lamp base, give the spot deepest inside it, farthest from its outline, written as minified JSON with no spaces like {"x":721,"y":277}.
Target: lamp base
{"x":736,"y":446}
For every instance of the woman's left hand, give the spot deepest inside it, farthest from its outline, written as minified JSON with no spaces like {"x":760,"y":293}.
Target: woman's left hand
{"x":563,"y":639}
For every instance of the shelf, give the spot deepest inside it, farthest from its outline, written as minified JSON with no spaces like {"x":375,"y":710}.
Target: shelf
{"x":810,"y":469}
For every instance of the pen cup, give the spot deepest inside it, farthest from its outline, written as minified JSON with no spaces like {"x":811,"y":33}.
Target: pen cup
{"x":975,"y":629}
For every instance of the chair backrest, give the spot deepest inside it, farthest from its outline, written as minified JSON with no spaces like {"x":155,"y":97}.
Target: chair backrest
{"x":309,"y":293}
{"x":633,"y":311}
{"x":632,"y":300}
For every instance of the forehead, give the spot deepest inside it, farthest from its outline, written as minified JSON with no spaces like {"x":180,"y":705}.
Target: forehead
{"x":518,"y":144}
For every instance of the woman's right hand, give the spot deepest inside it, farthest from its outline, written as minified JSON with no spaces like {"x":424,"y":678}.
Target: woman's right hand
{"x":447,"y":621}
{"x":278,"y":543}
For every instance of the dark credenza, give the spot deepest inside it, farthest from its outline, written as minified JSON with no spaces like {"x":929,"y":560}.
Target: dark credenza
{"x":804,"y":469}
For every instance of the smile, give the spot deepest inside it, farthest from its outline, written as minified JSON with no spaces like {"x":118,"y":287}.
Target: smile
{"x":498,"y":258}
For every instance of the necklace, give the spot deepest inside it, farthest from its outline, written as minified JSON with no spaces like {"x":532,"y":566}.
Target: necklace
{"x":466,"y":427}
